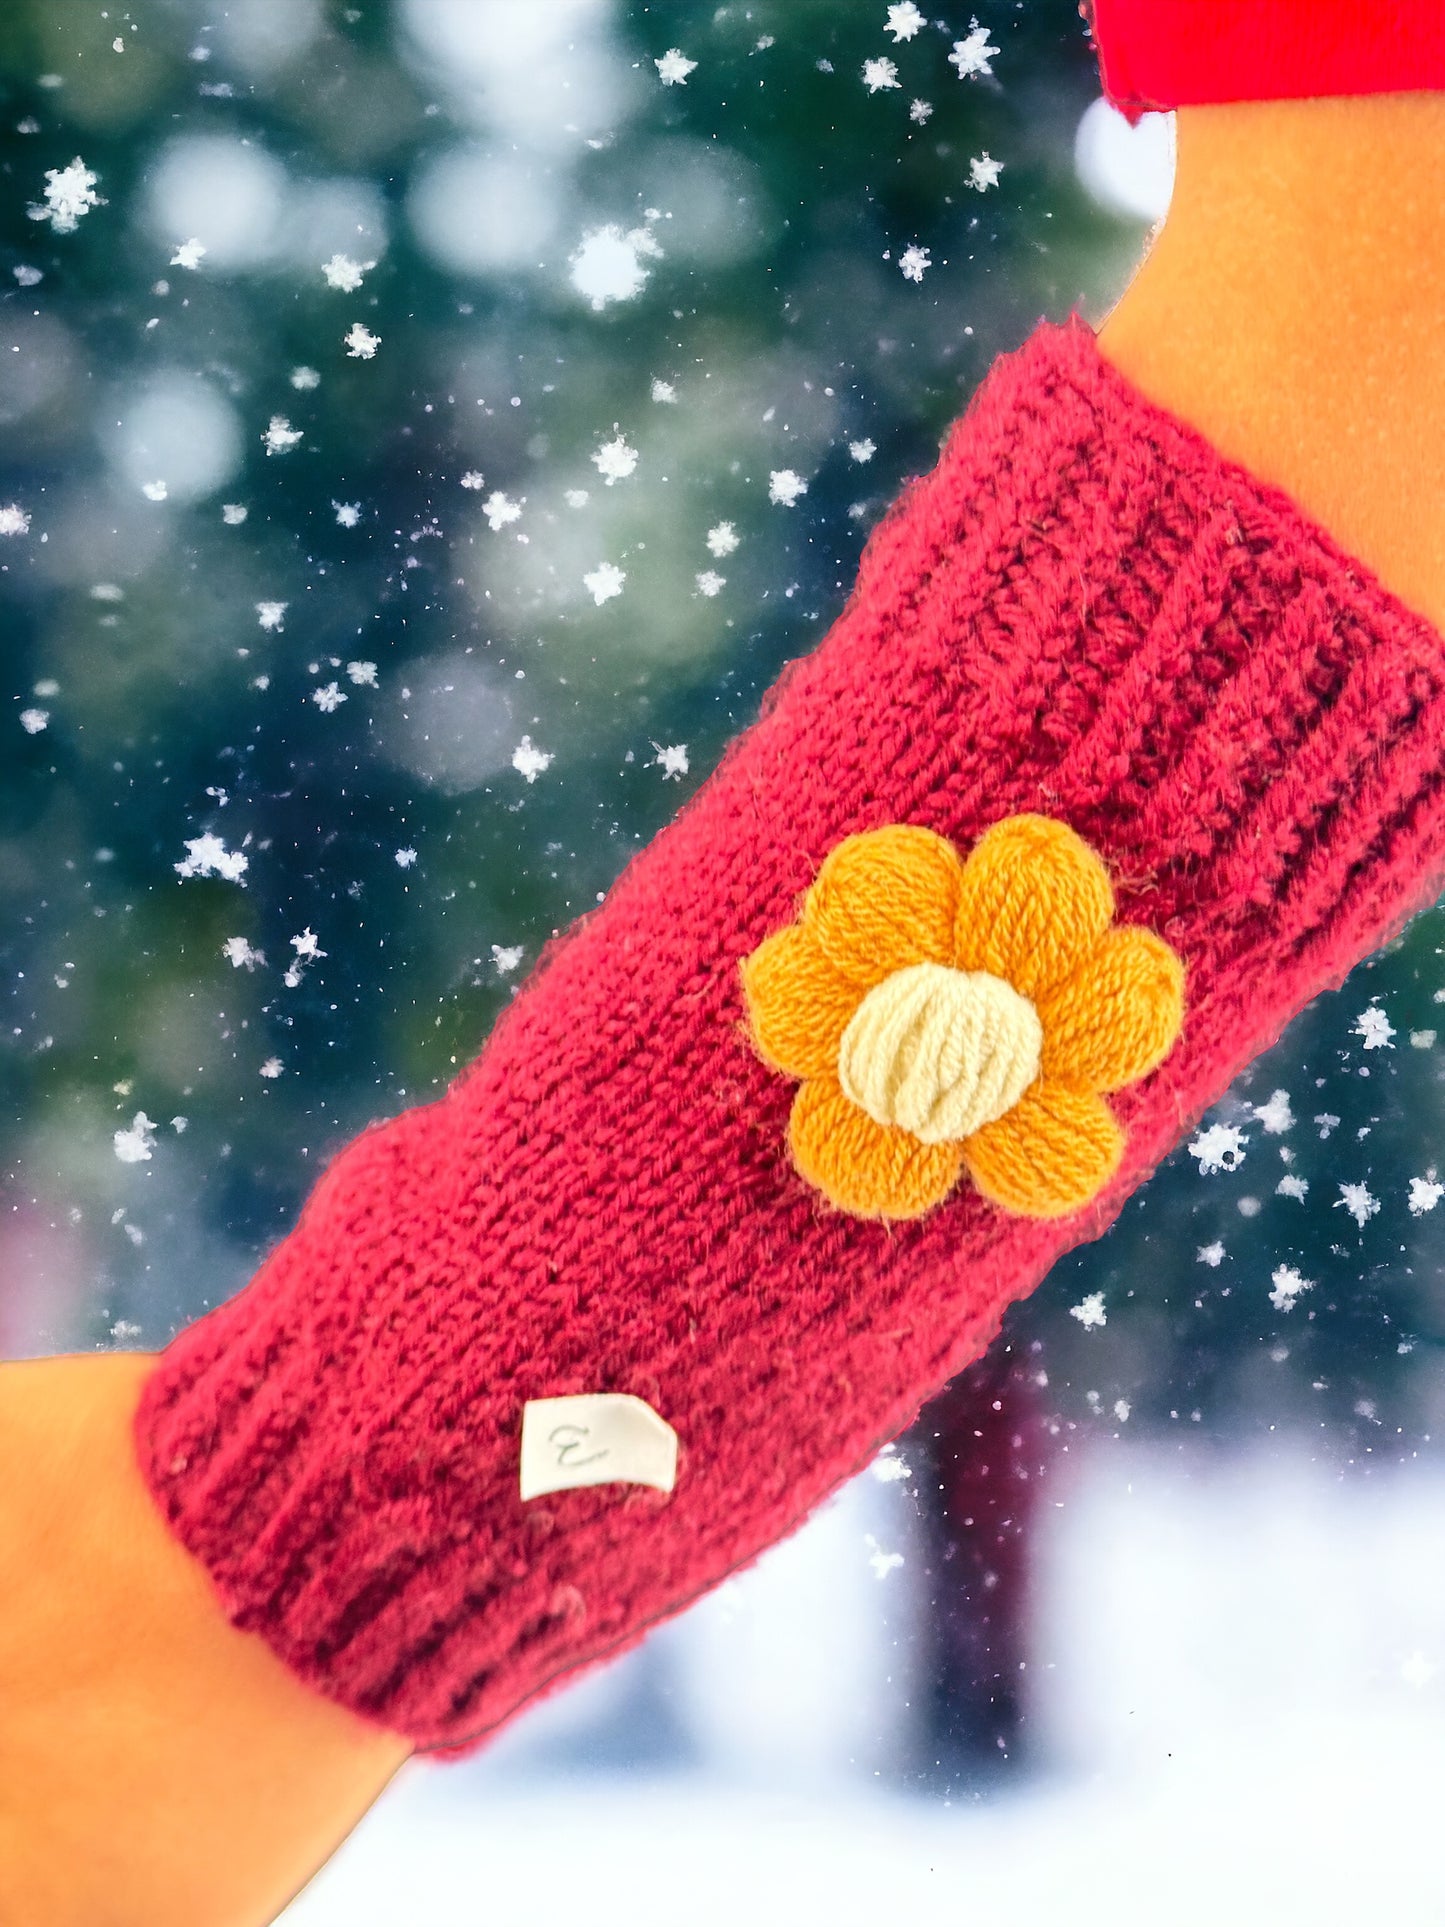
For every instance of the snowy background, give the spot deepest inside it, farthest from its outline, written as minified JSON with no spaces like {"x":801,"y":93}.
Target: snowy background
{"x":1236,"y":1711}
{"x":426,"y":429}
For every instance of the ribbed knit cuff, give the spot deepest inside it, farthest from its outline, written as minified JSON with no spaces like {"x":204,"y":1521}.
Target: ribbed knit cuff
{"x":1156,"y":55}
{"x":1083,"y":611}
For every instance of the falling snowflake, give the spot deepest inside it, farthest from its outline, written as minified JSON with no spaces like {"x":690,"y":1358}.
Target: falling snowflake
{"x":889,"y":1469}
{"x":529,"y":761}
{"x":233,"y":514}
{"x":722,"y":539}
{"x":188,"y":254}
{"x":608,"y":264}
{"x":239,"y":954}
{"x":208,"y":856}
{"x":1288,"y":1284}
{"x":269,"y":615}
{"x":506,"y":957}
{"x":361,"y":343}
{"x":1327,"y":1122}
{"x":1292,"y":1187}
{"x":328,"y":697}
{"x":271,"y":1068}
{"x":919,"y":111}
{"x":305,"y":378}
{"x":879,"y":74}
{"x":1376,"y":1029}
{"x":674,"y":67}
{"x":983,"y":173}
{"x":69,"y":193}
{"x":972,"y":56}
{"x":663,"y":391}
{"x":32,"y":721}
{"x":1122,"y":1409}
{"x":1276,"y":1116}
{"x":785,"y":485}
{"x":1220,"y":1148}
{"x":709,"y":582}
{"x":576,"y":498}
{"x":905,"y":21}
{"x":134,"y":1146}
{"x":348,"y":514}
{"x":154,"y":491}
{"x":1211,"y":1254}
{"x":1090,"y":1311}
{"x":308,"y":949}
{"x":1425,"y":1194}
{"x":362,"y":672}
{"x":473,"y":478}
{"x":405,"y":859}
{"x":280,"y":435}
{"x":863,"y":451}
{"x":614,"y":460}
{"x":604,"y":582}
{"x":14,"y":520}
{"x":1423,"y":1039}
{"x":500,"y":509}
{"x":882,"y":1562}
{"x":914,"y":263}
{"x":344,"y":273}
{"x":673,"y":760}
{"x":1356,"y":1199}
{"x":28,"y":277}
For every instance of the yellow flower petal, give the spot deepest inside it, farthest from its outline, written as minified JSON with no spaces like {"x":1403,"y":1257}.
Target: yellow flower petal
{"x":871,"y":1170}
{"x":1033,"y":903}
{"x":798,"y":1003}
{"x":1049,"y":1155}
{"x":885,"y":899}
{"x":1116,"y":1018}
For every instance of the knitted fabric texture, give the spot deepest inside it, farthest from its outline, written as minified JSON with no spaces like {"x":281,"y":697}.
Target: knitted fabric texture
{"x":1084,"y":611}
{"x":1156,"y":55}
{"x":948,"y":1015}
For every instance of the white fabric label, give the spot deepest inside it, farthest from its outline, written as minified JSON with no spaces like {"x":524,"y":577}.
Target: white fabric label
{"x":597,"y":1438}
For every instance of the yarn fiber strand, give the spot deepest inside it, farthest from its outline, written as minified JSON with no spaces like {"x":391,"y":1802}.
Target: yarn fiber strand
{"x":1085,"y":612}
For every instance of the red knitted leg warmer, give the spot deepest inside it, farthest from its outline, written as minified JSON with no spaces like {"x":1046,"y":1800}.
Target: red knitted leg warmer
{"x":1084,"y":613}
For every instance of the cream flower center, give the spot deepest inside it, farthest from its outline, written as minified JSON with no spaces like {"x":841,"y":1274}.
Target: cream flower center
{"x":940,"y":1052}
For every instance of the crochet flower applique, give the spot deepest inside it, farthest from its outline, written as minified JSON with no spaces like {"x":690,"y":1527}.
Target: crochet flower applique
{"x":949,"y":1016}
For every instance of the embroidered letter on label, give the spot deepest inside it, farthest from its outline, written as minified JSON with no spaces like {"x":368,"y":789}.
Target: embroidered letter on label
{"x":597,"y":1438}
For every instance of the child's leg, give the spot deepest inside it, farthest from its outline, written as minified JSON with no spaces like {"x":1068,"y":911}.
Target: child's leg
{"x":1292,"y":308}
{"x":158,"y":1768}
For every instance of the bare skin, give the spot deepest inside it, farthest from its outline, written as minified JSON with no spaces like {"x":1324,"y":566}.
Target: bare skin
{"x":159,"y":1768}
{"x":1292,"y":308}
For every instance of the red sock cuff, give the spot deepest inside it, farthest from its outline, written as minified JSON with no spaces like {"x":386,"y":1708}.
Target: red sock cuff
{"x":1156,"y":55}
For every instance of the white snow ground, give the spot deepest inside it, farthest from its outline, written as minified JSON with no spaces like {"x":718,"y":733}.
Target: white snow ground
{"x":1239,"y":1674}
